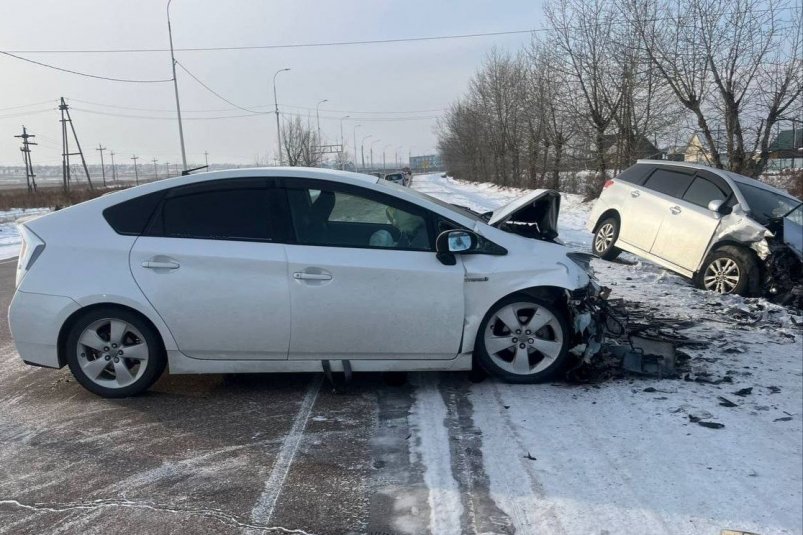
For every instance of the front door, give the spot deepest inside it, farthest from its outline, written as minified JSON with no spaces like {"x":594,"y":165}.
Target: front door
{"x":208,"y":266}
{"x":364,"y":279}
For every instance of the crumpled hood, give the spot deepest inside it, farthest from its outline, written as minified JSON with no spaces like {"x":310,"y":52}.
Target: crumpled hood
{"x":539,"y":208}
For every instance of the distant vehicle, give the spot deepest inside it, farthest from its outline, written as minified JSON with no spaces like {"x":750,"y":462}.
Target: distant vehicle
{"x":722,"y":230}
{"x":294,"y":270}
{"x":398,"y":178}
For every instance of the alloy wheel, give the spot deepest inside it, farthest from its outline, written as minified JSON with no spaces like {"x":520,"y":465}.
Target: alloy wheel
{"x":112,"y":353}
{"x":604,"y":238}
{"x":523,"y":338}
{"x":722,"y":276}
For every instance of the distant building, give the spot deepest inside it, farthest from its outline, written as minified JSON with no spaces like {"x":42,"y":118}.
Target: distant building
{"x":695,"y":151}
{"x":786,"y":150}
{"x":427,"y":162}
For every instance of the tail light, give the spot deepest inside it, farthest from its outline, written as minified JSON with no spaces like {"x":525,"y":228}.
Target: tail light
{"x":608,"y":184}
{"x":32,"y":247}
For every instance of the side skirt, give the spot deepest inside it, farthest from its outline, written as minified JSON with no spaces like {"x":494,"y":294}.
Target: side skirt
{"x":654,"y":259}
{"x":181,"y":364}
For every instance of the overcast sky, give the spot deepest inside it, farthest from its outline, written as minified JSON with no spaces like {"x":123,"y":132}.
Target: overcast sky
{"x":382,"y":78}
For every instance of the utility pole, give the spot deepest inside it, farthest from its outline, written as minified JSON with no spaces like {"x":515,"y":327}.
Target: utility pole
{"x":362,"y":149}
{"x":354,"y":136}
{"x":30,"y":177}
{"x":342,"y":143}
{"x":100,"y":149}
{"x":318,"y":118}
{"x":65,"y":154}
{"x":155,"y":169}
{"x":276,"y":108}
{"x":175,"y":87}
{"x":167,"y":169}
{"x":136,"y":173}
{"x":114,"y":167}
{"x":206,"y":159}
{"x":371,"y":148}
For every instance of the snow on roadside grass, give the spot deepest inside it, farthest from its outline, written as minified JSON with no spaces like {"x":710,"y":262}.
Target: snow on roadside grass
{"x":10,"y":239}
{"x":626,"y":456}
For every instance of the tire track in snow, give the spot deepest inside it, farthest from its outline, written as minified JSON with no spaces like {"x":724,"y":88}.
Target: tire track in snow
{"x":428,"y":425}
{"x":266,"y":503}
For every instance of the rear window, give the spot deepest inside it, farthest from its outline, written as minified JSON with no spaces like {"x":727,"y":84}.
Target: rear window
{"x":672,"y":183}
{"x":634,"y":174}
{"x":131,"y":217}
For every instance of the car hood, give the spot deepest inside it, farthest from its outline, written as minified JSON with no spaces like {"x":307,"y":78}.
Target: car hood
{"x":532,"y":215}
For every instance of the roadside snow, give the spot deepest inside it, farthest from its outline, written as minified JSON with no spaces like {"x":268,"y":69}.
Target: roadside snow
{"x":10,"y":239}
{"x":626,"y":456}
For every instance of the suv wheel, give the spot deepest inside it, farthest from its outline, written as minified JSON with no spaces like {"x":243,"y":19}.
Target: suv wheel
{"x":605,"y":239}
{"x":112,"y":352}
{"x":729,"y":270}
{"x":523,"y":340}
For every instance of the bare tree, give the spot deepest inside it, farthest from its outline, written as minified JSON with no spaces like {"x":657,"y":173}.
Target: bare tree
{"x":300,"y":144}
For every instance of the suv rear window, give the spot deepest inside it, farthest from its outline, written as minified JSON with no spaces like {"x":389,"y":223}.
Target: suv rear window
{"x":130,"y":217}
{"x":634,"y":174}
{"x":668,"y":182}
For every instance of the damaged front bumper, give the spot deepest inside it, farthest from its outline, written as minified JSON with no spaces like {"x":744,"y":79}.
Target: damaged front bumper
{"x":592,"y":318}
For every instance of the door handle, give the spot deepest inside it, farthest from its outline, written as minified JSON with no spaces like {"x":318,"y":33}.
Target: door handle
{"x":635,"y":193}
{"x":675,"y":210}
{"x":300,"y":275}
{"x":153,"y":264}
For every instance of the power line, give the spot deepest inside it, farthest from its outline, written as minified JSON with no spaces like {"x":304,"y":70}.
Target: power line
{"x":87,"y":75}
{"x":218,"y":95}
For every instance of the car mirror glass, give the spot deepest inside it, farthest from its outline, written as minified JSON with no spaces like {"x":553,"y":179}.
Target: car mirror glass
{"x":459,"y":242}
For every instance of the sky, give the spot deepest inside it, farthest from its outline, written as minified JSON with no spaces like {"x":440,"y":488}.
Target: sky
{"x":372,"y":83}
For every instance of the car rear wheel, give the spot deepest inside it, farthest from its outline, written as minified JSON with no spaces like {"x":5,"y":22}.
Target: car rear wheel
{"x":114,"y":353}
{"x":523,"y":340}
{"x":729,"y":270}
{"x":605,"y":239}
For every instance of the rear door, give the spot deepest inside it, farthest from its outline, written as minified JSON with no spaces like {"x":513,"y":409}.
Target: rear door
{"x":689,"y":225}
{"x":210,"y":267}
{"x":364,"y":279}
{"x":648,"y":205}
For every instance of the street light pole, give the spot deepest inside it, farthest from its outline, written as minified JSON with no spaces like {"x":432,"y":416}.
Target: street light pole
{"x":276,"y":108}
{"x":318,"y":118}
{"x":384,"y":149}
{"x":175,"y":87}
{"x":354,"y":136}
{"x":342,"y":142}
{"x":362,"y":149}
{"x":371,"y":149}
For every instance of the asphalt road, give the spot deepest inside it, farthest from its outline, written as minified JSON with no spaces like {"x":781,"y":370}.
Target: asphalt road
{"x":224,"y":454}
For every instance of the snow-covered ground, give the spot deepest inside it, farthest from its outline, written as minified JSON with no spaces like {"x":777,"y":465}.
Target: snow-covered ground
{"x":9,"y":235}
{"x":626,"y":455}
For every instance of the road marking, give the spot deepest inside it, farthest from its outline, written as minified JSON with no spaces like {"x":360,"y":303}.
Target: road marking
{"x":263,"y":509}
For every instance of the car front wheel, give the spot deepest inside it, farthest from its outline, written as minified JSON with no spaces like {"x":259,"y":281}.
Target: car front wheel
{"x":114,"y":353}
{"x":523,"y":340}
{"x":605,"y":239}
{"x":729,"y":270}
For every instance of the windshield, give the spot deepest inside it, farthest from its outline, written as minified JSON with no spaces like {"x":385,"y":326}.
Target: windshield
{"x":453,"y":207}
{"x":765,"y":205}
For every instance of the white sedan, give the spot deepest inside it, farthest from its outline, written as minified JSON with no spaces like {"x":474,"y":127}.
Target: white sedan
{"x":295,"y":270}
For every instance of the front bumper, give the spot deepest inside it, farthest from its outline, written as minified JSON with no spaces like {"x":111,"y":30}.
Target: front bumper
{"x":590,"y":316}
{"x":35,"y":321}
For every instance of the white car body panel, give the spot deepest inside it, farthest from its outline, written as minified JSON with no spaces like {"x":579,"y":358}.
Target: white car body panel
{"x":436,"y":309}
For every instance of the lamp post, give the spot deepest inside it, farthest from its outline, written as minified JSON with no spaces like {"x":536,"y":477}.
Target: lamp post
{"x":175,"y":87}
{"x":371,"y":149}
{"x":342,"y":142}
{"x":354,"y":137}
{"x":276,"y":108}
{"x":318,"y":119}
{"x":384,"y":149}
{"x":362,"y":149}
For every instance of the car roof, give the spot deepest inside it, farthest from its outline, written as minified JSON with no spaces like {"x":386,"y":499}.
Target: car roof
{"x":729,"y":176}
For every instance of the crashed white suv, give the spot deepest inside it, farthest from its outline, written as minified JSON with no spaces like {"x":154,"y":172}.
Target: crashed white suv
{"x":723,"y":230}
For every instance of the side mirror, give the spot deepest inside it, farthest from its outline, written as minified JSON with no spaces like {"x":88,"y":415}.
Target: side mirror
{"x":453,"y":242}
{"x":715,"y":205}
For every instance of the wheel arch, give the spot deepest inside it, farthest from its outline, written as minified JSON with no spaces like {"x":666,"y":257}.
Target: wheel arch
{"x":64,"y":331}
{"x":753,"y":285}
{"x":610,"y":212}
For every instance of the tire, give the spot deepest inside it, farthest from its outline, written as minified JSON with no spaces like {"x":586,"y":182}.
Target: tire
{"x":729,"y":270}
{"x":536,"y":355}
{"x":605,"y":239}
{"x":131,"y":348}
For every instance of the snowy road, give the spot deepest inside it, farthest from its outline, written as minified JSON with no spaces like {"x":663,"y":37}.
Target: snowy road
{"x":440,"y":455}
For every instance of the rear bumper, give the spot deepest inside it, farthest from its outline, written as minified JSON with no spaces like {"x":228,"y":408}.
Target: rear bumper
{"x":35,"y":321}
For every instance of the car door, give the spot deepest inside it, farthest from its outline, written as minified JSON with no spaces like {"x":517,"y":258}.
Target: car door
{"x":649,"y":204}
{"x":365,"y":282}
{"x":209,"y":266}
{"x":639,"y":225}
{"x":689,"y":225}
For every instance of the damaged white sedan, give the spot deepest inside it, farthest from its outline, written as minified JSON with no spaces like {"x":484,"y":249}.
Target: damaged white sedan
{"x":296,"y":270}
{"x":727,"y":232}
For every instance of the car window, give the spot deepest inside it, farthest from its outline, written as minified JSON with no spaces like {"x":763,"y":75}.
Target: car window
{"x":669,"y":182}
{"x":333,"y":217}
{"x":634,"y":174}
{"x":702,"y":191}
{"x":130,"y":217}
{"x":765,"y":204}
{"x":215,"y":214}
